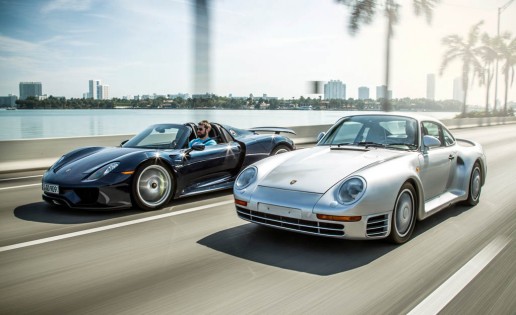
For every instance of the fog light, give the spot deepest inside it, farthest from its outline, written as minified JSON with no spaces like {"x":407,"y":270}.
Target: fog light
{"x":241,"y":202}
{"x":339,"y":218}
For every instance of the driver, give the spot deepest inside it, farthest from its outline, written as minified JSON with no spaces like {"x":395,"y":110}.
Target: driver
{"x":203,"y":128}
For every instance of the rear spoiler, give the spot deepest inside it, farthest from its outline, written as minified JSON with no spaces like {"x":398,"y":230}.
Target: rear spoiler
{"x":276,"y":130}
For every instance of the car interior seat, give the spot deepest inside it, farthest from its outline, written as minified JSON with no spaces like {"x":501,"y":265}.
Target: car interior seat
{"x":214,"y":134}
{"x":376,"y":134}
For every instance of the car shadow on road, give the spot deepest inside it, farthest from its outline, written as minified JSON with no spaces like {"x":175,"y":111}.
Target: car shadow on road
{"x":44,"y":213}
{"x":305,"y":253}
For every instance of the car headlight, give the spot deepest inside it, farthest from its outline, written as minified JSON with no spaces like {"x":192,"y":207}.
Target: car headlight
{"x":246,"y":178}
{"x":104,"y":170}
{"x":351,"y":190}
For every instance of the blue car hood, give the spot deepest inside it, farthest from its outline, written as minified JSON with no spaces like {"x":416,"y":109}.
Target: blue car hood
{"x":88,"y":160}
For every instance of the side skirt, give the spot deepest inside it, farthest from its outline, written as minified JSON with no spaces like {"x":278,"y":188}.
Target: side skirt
{"x":441,"y":202}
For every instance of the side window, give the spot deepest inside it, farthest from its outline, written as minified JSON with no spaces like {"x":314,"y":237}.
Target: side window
{"x":448,"y":138}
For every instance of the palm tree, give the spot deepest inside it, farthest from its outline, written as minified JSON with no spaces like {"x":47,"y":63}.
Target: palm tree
{"x":507,"y":49}
{"x":489,"y":55}
{"x":467,"y":51}
{"x":363,"y":11}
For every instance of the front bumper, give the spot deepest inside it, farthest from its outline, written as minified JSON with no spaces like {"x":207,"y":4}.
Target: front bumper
{"x":294,"y":211}
{"x":92,"y":198}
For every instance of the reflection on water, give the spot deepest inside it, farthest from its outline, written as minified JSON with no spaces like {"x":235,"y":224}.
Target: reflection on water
{"x":30,"y":124}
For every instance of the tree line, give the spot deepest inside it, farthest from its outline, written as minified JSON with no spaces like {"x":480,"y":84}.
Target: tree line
{"x":258,"y":103}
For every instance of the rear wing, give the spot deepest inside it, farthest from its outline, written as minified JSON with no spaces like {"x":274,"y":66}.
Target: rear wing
{"x":276,"y":130}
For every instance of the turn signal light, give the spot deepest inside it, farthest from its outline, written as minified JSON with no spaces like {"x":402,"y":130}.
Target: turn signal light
{"x":128,"y":172}
{"x":339,"y":218}
{"x":241,"y":202}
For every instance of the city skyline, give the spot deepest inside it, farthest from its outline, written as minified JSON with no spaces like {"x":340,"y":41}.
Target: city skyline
{"x":264,"y":49}
{"x":332,"y":89}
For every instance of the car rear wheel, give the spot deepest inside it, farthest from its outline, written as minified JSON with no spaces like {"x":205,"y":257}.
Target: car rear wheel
{"x":152,"y":186}
{"x":404,"y":215}
{"x":475,"y":186}
{"x":280,"y":149}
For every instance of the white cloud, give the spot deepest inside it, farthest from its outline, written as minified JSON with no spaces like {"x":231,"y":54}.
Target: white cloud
{"x":67,"y":5}
{"x":12,"y":45}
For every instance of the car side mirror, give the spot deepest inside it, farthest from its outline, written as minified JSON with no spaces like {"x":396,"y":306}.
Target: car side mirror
{"x":123,"y":142}
{"x":198,"y":146}
{"x":195,"y":147}
{"x":320,"y":136}
{"x":431,"y":141}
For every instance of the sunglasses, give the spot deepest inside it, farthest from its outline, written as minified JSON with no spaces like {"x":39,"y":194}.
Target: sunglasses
{"x":200,"y":128}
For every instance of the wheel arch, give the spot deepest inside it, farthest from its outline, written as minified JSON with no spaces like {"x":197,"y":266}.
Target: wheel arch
{"x":419,"y":198}
{"x":283,"y":143}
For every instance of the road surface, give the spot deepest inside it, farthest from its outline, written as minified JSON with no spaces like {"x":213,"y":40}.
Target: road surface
{"x":197,"y":257}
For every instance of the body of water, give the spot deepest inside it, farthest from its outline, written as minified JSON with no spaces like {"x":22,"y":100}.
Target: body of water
{"x":34,"y":124}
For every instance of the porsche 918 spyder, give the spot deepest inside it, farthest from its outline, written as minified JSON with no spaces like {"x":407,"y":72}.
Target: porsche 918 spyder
{"x":157,"y":165}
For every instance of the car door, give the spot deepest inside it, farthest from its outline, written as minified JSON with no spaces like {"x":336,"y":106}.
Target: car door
{"x":212,"y":166}
{"x":439,"y":163}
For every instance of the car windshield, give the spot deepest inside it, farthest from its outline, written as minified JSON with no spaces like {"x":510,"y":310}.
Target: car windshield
{"x":396,"y":132}
{"x":162,"y":136}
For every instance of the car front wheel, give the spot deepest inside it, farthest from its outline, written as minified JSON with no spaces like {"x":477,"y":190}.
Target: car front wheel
{"x":404,"y":215}
{"x":152,"y":186}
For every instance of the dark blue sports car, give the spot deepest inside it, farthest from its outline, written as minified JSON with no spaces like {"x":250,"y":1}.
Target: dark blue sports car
{"x":157,"y":165}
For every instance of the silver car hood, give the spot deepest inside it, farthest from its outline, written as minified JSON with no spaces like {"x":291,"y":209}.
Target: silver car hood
{"x":317,"y":169}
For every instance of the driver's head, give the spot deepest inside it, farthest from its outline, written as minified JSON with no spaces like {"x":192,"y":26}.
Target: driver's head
{"x":203,"y":128}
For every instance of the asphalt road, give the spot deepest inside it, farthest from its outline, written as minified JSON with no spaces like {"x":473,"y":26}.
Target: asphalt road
{"x":197,"y":257}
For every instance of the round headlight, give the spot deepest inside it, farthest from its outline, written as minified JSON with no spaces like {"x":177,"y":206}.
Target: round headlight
{"x":246,"y":178}
{"x":351,"y":190}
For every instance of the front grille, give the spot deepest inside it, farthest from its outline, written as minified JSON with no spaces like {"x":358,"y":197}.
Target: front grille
{"x":306,"y":226}
{"x":378,"y":225}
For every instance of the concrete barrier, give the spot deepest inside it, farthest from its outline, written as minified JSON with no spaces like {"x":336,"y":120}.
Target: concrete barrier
{"x":38,"y":154}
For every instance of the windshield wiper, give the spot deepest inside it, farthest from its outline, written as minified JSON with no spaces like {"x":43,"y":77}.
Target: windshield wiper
{"x":343,"y":143}
{"x":369,"y":144}
{"x":410,"y":145}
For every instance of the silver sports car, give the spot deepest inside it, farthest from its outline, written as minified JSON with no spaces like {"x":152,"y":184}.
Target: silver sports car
{"x":370,"y":176}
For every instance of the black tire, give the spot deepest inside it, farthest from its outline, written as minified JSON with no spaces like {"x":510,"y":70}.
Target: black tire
{"x":403,"y":218}
{"x":280,"y":149}
{"x":475,"y":186}
{"x":152,"y":187}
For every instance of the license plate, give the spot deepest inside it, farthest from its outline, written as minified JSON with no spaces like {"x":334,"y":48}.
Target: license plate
{"x":281,"y":211}
{"x":51,"y":188}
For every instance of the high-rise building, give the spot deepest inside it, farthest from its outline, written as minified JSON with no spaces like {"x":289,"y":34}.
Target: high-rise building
{"x":363,"y":93}
{"x":93,"y":89}
{"x":381,"y":92}
{"x":430,"y":87}
{"x":103,"y":92}
{"x":334,"y":90}
{"x":30,"y":89}
{"x":458,"y":92}
{"x":9,"y":100}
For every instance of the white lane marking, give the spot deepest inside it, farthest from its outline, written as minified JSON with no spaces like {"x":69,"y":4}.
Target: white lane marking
{"x":110,"y":227}
{"x":21,"y":186}
{"x":436,"y":301}
{"x":16,"y":178}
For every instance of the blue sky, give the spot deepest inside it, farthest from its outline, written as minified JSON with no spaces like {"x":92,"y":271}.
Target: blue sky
{"x":268,"y":46}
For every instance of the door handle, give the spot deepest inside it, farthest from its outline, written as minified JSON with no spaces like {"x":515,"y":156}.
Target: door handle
{"x":451,"y":157}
